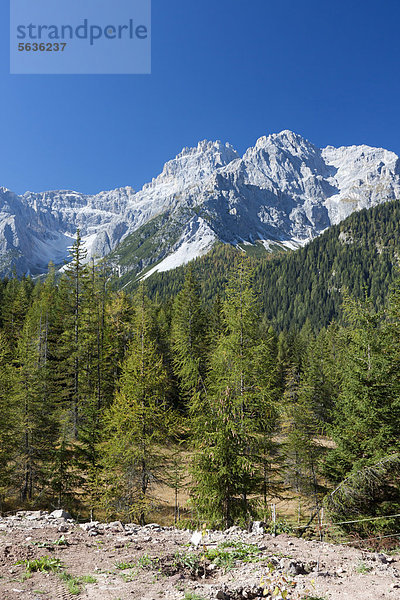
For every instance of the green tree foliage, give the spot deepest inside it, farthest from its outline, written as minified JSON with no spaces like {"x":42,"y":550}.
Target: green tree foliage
{"x":188,"y":337}
{"x":74,"y":288}
{"x":371,"y":490}
{"x":366,"y":416}
{"x":88,"y":377}
{"x":229,"y":416}
{"x":360,"y":253}
{"x":34,"y":393}
{"x":8,"y":426}
{"x":137,"y":423}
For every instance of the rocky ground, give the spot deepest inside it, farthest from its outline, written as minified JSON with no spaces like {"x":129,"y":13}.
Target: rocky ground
{"x":51,"y":557}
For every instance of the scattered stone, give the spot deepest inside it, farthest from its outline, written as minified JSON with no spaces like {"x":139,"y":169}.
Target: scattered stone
{"x":233,"y":529}
{"x":153,"y":526}
{"x":296,"y":568}
{"x":258,"y":527}
{"x":246,"y":581}
{"x":116,"y":526}
{"x":89,"y":525}
{"x":60,"y":514}
{"x":35,"y":515}
{"x":381,"y":558}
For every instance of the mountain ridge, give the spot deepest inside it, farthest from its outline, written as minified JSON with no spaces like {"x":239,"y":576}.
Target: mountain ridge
{"x":282,"y":192}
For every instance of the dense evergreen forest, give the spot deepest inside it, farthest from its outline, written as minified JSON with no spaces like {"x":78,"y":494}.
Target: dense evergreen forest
{"x":104,"y":394}
{"x":358,"y":254}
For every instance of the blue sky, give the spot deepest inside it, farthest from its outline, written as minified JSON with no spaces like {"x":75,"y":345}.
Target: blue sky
{"x":221,"y":69}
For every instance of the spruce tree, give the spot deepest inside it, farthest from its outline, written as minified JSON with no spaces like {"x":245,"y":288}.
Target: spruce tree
{"x":73,"y":287}
{"x":8,"y":421}
{"x":228,"y":418}
{"x":38,"y":422}
{"x":189,"y":337}
{"x":367,"y":412}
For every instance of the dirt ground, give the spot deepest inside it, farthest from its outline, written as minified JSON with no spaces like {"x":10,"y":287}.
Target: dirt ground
{"x":153,"y":562}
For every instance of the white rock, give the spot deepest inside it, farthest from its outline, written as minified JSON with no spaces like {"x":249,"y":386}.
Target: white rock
{"x":60,"y":514}
{"x":196,"y":538}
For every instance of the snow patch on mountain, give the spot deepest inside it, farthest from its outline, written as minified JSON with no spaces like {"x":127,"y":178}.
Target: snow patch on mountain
{"x":196,"y":241}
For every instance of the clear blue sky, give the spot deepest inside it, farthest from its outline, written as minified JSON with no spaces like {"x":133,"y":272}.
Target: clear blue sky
{"x":221,"y":69}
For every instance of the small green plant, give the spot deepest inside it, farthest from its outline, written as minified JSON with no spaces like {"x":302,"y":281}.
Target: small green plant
{"x":124,"y":565}
{"x":228,"y":553}
{"x":363,"y":568}
{"x":72,"y":583}
{"x":76,"y":584}
{"x":60,"y":542}
{"x":193,"y":596}
{"x":186,"y":560}
{"x":280,"y":527}
{"x":41,"y":544}
{"x":147,"y":562}
{"x":43,"y":564}
{"x":276,"y":585}
{"x":88,"y":579}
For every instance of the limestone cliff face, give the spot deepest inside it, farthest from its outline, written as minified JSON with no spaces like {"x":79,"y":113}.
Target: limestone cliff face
{"x":283,"y":191}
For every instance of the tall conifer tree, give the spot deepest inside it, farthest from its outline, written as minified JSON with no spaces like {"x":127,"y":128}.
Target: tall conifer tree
{"x":137,"y":423}
{"x":236,"y":407}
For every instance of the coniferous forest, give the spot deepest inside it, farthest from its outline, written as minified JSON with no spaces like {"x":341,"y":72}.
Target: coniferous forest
{"x":358,"y":254}
{"x":106,"y":395}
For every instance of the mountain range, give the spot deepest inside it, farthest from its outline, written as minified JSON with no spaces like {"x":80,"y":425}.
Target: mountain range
{"x":281,"y":193}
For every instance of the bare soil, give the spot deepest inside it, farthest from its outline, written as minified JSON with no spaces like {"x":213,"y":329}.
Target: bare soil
{"x":153,"y":562}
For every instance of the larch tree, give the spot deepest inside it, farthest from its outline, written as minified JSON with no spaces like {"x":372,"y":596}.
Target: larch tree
{"x":137,"y":423}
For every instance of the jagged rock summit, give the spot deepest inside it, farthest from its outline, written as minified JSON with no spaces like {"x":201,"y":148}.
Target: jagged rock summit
{"x":283,"y":191}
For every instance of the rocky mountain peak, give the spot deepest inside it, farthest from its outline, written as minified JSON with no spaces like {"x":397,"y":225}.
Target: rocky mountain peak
{"x":284,"y":191}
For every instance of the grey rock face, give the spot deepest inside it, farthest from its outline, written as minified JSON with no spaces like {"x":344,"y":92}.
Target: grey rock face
{"x":283,"y":191}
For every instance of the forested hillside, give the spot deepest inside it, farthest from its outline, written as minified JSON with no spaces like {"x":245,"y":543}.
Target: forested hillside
{"x":105,"y":395}
{"x":360,"y":254}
